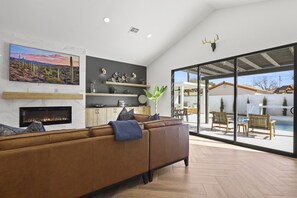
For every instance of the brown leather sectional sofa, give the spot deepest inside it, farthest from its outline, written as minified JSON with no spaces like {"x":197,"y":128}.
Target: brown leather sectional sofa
{"x":73,"y":163}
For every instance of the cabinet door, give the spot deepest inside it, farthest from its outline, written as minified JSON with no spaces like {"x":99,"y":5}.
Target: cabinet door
{"x":101,"y":116}
{"x":136,"y":110}
{"x":112,"y":114}
{"x":147,"y":110}
{"x":91,"y":117}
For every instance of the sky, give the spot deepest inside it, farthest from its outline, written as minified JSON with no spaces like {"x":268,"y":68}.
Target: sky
{"x":282,"y":78}
{"x":43,"y":56}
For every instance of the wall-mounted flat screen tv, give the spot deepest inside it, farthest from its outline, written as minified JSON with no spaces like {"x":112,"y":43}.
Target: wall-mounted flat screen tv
{"x":28,"y":64}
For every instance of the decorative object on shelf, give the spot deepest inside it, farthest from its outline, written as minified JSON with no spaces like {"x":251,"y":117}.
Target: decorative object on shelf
{"x":103,"y":71}
{"x":113,"y":89}
{"x":156,"y":96}
{"x":93,"y":86}
{"x":34,"y":65}
{"x":134,"y":75}
{"x":121,"y":103}
{"x":99,"y":105}
{"x":142,"y":81}
{"x":127,"y":84}
{"x":117,"y":77}
{"x":142,"y":99}
{"x":212,"y":43}
{"x":127,"y":91}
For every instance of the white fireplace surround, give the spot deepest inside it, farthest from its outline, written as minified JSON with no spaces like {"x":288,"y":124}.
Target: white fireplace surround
{"x":9,"y":109}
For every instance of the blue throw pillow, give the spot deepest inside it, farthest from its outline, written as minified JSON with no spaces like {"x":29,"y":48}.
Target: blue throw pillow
{"x":126,"y":115}
{"x":6,"y":130}
{"x":153,"y":117}
{"x":35,"y":126}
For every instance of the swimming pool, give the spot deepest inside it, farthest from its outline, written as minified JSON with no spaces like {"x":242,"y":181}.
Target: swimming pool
{"x":284,"y":125}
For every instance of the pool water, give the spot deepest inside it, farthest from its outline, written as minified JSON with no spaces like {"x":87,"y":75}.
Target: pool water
{"x":284,"y":125}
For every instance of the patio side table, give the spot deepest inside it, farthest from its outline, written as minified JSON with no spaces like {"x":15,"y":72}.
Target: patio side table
{"x":244,"y":127}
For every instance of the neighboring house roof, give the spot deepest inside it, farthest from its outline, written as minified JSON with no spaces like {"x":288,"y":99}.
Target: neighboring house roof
{"x":242,"y":87}
{"x":284,"y":89}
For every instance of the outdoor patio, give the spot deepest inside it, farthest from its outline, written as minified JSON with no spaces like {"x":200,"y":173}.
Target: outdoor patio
{"x":283,"y":139}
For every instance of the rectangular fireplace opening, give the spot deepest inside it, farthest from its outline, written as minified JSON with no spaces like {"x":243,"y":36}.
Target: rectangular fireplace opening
{"x":46,"y":115}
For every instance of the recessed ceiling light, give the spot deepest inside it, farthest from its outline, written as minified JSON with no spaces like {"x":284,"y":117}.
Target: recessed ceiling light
{"x":106,"y":20}
{"x":149,"y":36}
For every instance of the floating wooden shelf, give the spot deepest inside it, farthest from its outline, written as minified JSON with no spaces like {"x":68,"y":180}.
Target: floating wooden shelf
{"x":44,"y":96}
{"x":110,"y":94}
{"x":127,"y":84}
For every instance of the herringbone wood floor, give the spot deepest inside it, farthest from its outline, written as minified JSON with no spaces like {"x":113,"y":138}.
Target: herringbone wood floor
{"x":217,"y":170}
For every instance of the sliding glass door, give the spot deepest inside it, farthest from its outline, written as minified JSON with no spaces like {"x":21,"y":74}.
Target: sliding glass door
{"x":216,"y":117}
{"x":266,"y":99}
{"x":185,"y":102}
{"x":246,"y":100}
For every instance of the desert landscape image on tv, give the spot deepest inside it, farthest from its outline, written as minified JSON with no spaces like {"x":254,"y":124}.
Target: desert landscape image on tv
{"x":28,"y":64}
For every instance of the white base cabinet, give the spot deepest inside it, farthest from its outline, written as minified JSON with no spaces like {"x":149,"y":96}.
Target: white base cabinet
{"x":98,"y":116}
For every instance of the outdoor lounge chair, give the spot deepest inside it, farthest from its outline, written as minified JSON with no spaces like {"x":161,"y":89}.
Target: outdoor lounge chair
{"x":219,"y":119}
{"x":261,"y":122}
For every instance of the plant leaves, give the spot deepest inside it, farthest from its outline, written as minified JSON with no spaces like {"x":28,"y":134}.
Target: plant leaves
{"x":148,"y":94}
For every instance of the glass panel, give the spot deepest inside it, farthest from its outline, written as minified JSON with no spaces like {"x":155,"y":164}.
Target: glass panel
{"x":185,"y":97}
{"x":216,"y":100}
{"x":265,"y":98}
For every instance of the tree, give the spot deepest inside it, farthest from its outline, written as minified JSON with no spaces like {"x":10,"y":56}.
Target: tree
{"x":285,"y":103}
{"x":211,"y":84}
{"x":264,"y":104}
{"x":222,"y":105}
{"x":265,"y":83}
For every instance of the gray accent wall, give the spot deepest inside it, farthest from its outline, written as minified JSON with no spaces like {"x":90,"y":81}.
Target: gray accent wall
{"x":93,"y":73}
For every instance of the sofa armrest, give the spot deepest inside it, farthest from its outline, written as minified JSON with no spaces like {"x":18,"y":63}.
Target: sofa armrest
{"x":168,"y":144}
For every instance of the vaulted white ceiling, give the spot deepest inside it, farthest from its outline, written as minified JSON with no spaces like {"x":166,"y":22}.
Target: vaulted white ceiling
{"x":80,"y":23}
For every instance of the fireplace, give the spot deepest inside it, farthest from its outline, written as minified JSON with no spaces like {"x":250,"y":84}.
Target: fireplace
{"x":46,"y":115}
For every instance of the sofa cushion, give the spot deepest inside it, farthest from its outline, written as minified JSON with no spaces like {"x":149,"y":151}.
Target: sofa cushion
{"x":101,"y":130}
{"x":141,"y":117}
{"x":105,"y":129}
{"x":68,"y":135}
{"x":153,"y":124}
{"x":173,"y":121}
{"x":23,"y":140}
{"x":41,"y":138}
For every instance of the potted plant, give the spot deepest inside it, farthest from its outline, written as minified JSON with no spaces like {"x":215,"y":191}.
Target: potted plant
{"x":222,"y":105}
{"x":285,"y":103}
{"x":156,"y":95}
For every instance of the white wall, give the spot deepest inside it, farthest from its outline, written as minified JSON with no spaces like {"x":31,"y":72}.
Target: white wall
{"x":228,"y":90}
{"x":272,"y":99}
{"x":241,"y":29}
{"x":9,"y":109}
